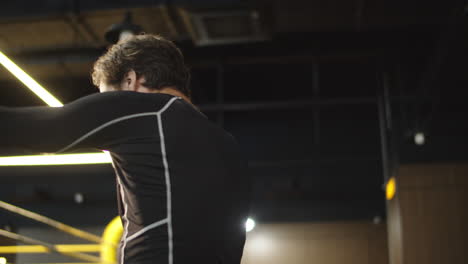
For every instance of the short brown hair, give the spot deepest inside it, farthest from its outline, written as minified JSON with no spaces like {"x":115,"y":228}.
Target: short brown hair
{"x":151,"y":56}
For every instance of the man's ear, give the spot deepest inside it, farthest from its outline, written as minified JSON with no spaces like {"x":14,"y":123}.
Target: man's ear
{"x":128,"y":82}
{"x":131,"y":80}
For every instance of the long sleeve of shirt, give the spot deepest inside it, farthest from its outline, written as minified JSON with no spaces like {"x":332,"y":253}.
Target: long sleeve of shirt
{"x":89,"y":122}
{"x":183,"y":191}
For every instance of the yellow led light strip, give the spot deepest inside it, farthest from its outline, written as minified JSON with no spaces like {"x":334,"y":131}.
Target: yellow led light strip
{"x":49,"y":99}
{"x":29,"y":82}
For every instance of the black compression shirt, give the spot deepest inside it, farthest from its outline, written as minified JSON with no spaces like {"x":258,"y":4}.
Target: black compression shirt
{"x":181,"y":182}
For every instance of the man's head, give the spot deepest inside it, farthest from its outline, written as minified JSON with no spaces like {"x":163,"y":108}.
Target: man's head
{"x":147,"y":62}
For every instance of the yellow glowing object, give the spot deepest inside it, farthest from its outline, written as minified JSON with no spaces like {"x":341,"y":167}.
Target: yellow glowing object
{"x":64,"y":159}
{"x":34,"y":86}
{"x":391,"y":189}
{"x":110,"y":239}
{"x":3,"y":261}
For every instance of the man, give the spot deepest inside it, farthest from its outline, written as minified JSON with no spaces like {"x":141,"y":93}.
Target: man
{"x":181,"y":182}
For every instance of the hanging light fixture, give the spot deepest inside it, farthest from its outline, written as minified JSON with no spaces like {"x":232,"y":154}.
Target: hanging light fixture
{"x":122,"y":30}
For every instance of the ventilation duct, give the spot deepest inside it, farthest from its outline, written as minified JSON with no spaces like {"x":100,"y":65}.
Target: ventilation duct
{"x":223,"y":27}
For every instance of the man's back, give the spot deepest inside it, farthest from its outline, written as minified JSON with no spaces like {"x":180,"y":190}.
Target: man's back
{"x":193,"y":193}
{"x":182,"y":184}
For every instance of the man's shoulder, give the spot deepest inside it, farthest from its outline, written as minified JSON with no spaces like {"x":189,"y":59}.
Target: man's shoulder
{"x":125,"y":99}
{"x":127,"y":95}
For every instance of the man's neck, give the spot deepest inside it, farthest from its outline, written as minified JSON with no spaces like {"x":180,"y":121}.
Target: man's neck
{"x":166,"y":90}
{"x":175,"y":92}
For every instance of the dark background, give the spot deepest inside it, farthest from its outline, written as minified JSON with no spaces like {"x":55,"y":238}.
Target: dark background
{"x":325,"y":104}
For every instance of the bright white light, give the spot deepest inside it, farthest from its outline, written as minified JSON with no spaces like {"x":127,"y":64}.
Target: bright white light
{"x":3,"y":261}
{"x":65,"y":159}
{"x":249,"y":225}
{"x":419,"y":138}
{"x":79,"y":198}
{"x":125,"y":35}
{"x":34,"y":86}
{"x":377,"y":220}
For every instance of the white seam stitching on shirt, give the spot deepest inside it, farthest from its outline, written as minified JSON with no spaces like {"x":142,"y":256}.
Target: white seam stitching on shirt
{"x":116,"y":121}
{"x":168,"y":184}
{"x":166,"y":173}
{"x":124,"y":242}
{"x":168,"y":190}
{"x":104,"y":126}
{"x":146,"y":228}
{"x":169,"y":103}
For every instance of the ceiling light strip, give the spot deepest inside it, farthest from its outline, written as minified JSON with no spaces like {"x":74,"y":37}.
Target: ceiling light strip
{"x":49,"y":99}
{"x":34,"y":86}
{"x":63,"y":159}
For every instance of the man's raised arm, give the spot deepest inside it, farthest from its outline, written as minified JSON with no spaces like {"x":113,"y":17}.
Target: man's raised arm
{"x":51,"y":129}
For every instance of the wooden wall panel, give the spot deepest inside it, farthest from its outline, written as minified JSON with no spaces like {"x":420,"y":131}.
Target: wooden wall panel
{"x":431,"y":211}
{"x":323,"y":243}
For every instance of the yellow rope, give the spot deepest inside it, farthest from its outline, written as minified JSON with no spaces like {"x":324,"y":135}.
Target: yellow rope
{"x":50,"y":247}
{"x":53,"y":223}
